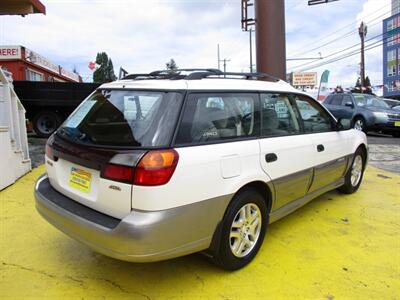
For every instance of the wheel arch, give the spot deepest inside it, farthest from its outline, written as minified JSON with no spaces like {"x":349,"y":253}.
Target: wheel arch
{"x":364,"y":148}
{"x":358,"y":116}
{"x":265,"y":190}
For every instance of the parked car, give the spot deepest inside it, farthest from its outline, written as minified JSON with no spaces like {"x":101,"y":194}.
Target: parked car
{"x":391,"y":102}
{"x":367,"y":112}
{"x":162,"y":165}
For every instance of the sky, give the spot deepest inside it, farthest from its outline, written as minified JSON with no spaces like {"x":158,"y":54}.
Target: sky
{"x":141,"y":36}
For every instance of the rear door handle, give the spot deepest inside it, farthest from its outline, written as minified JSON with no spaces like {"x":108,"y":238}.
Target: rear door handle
{"x":270,"y":157}
{"x":320,"y":148}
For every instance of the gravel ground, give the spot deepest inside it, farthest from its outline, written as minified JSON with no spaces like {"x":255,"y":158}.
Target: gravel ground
{"x":36,"y":150}
{"x":384,"y":151}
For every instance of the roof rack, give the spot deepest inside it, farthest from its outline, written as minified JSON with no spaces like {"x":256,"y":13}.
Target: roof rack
{"x":192,"y":74}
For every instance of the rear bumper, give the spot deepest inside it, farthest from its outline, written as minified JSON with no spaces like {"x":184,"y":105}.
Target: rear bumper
{"x":139,"y":237}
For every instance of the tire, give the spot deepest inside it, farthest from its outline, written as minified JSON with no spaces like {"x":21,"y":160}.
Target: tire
{"x":236,"y":251}
{"x":359,"y":124}
{"x":45,"y":123}
{"x":396,"y":134}
{"x":354,"y":175}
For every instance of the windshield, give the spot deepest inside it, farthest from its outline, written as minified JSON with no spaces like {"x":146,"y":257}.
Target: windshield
{"x":124,"y":118}
{"x":369,"y":100}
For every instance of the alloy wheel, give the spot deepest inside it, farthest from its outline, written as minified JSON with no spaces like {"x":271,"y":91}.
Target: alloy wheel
{"x":245,"y":230}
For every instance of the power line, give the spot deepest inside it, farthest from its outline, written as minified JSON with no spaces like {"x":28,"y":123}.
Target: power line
{"x":355,"y":22}
{"x":338,"y":52}
{"x":347,"y":34}
{"x":344,"y":56}
{"x":342,"y":37}
{"x":348,"y":48}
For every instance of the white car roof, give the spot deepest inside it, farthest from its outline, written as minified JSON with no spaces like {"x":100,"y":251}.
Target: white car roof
{"x":204,"y":84}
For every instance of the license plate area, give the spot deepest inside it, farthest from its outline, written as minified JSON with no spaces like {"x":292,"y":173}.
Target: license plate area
{"x":397,"y":123}
{"x":80,"y":179}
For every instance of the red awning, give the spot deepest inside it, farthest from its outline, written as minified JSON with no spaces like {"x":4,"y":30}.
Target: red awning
{"x":21,"y":7}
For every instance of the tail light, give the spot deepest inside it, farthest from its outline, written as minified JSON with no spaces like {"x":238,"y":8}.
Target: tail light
{"x":49,"y":148}
{"x":118,"y":173}
{"x":154,"y":168}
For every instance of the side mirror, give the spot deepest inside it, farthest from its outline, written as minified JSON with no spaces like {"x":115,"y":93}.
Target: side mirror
{"x":349,"y":104}
{"x":343,"y":124}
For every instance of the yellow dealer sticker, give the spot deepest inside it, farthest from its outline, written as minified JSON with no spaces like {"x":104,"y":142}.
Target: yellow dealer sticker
{"x":80,"y":179}
{"x":397,"y":123}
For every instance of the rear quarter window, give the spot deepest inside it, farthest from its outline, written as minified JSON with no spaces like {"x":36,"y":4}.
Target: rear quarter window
{"x":217,"y":117}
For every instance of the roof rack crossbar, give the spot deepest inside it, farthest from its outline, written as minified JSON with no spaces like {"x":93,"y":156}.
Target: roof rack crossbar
{"x":135,"y":76}
{"x":198,"y":74}
{"x":179,"y":71}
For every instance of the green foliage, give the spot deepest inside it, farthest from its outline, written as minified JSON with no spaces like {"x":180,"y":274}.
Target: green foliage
{"x":358,"y":83}
{"x":367,"y":82}
{"x":104,"y":73}
{"x":171,"y":65}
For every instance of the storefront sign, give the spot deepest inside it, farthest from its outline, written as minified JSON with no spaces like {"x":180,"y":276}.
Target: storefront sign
{"x":304,"y":79}
{"x":40,"y":61}
{"x":10,"y":52}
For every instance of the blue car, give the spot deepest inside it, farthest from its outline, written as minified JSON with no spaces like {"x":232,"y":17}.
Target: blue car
{"x":366,"y":112}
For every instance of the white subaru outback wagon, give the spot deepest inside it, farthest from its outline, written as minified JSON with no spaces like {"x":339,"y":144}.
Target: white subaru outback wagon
{"x":164,"y":164}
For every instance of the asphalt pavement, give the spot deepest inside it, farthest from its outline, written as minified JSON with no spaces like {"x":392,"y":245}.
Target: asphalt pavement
{"x":384,"y":152}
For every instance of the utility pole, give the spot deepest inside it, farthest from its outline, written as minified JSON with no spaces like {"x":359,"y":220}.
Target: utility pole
{"x":269,"y":21}
{"x":270,"y":37}
{"x":362,"y":30}
{"x":219,"y":60}
{"x":225,"y":61}
{"x":251,"y":50}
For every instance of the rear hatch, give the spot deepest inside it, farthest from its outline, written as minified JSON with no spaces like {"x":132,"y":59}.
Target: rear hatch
{"x":92,"y":155}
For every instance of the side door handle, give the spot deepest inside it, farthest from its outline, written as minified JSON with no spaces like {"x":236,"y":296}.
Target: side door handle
{"x":270,"y":157}
{"x":320,"y":148}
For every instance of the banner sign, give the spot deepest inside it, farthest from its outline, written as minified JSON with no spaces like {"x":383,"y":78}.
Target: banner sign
{"x":323,"y":86}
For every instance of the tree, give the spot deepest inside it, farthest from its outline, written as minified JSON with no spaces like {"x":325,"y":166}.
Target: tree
{"x":358,"y":83}
{"x":171,"y":65}
{"x":104,"y":73}
{"x":367,"y":82}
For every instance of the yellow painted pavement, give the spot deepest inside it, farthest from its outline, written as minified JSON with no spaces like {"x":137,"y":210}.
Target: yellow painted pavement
{"x":336,"y":247}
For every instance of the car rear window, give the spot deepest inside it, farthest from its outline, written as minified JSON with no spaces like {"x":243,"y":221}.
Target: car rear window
{"x":124,"y":118}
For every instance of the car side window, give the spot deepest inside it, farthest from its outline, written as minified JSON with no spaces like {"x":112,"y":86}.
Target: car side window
{"x":277,"y":115}
{"x":216,"y":117}
{"x":314,"y":117}
{"x":337,"y":100}
{"x":346,"y":99}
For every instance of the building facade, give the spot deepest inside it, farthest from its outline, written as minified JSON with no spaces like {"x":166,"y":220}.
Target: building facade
{"x":391,"y":53}
{"x":25,"y":64}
